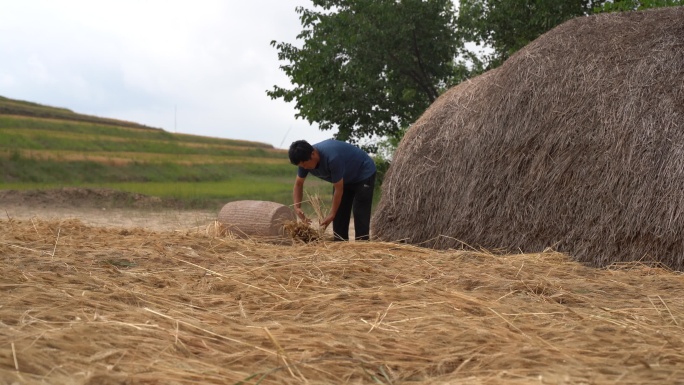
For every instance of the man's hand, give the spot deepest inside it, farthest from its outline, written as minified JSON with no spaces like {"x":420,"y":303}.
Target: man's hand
{"x":326,"y":221}
{"x":338,"y":190}
{"x":302,"y":216}
{"x":297,"y":193}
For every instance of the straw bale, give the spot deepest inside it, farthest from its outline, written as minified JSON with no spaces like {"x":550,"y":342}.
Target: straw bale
{"x":575,"y":143}
{"x":250,"y":218}
{"x":90,"y":305}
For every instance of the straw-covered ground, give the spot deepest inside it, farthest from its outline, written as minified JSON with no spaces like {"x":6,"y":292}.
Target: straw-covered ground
{"x":85,"y":304}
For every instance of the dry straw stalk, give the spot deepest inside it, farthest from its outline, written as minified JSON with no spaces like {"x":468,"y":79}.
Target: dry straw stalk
{"x":129,"y":306}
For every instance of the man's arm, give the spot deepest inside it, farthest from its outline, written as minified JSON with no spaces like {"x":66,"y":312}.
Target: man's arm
{"x":297,"y":194}
{"x":337,"y":199}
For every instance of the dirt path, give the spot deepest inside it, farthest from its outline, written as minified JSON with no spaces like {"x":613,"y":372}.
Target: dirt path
{"x":107,"y":208}
{"x":100,"y":207}
{"x":159,"y":220}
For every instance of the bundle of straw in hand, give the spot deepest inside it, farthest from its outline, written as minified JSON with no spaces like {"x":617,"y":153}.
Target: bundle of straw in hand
{"x":303,"y":231}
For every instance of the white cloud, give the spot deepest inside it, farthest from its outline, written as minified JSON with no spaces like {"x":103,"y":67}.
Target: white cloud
{"x":201,"y":67}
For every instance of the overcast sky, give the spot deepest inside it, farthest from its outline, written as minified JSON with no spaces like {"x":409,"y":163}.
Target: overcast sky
{"x":198,"y":67}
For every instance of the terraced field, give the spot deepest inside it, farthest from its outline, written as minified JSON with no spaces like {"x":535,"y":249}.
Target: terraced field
{"x":44,"y":147}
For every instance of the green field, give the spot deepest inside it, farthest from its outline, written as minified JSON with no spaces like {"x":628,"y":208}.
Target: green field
{"x":44,"y":147}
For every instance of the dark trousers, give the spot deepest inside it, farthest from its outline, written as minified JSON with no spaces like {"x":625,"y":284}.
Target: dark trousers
{"x":356,"y":198}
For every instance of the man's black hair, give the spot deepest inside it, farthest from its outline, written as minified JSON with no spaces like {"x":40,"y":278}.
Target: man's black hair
{"x":300,"y":151}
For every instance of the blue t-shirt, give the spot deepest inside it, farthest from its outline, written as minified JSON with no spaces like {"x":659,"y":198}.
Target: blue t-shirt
{"x":340,"y":160}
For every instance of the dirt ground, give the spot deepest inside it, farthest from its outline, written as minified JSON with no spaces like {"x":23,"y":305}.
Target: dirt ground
{"x":103,"y":207}
{"x":109,"y":208}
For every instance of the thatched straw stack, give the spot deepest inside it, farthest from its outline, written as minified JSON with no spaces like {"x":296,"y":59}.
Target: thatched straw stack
{"x":251,"y":218}
{"x":576,"y":143}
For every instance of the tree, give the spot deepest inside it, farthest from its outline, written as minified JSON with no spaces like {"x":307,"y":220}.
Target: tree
{"x":635,"y":5}
{"x":506,"y":26}
{"x":370,"y":67}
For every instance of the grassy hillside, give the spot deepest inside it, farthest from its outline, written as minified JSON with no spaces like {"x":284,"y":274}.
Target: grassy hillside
{"x":47,"y":147}
{"x":24,"y":108}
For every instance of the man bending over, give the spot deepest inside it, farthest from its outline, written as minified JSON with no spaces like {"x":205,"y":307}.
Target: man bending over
{"x":352,"y":173}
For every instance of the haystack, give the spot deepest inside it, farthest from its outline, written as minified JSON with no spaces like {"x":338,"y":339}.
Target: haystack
{"x":252,"y":218}
{"x":575,"y":143}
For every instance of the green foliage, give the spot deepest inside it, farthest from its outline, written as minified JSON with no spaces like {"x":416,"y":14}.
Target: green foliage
{"x":381,"y":165}
{"x":370,"y":67}
{"x":506,"y":26}
{"x":635,"y":5}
